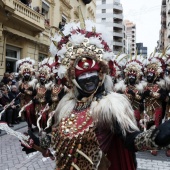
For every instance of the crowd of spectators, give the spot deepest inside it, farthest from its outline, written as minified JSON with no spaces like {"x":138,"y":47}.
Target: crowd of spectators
{"x":9,"y":99}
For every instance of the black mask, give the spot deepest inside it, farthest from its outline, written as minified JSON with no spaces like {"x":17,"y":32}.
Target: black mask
{"x":90,"y":84}
{"x":132,"y":79}
{"x":42,"y":80}
{"x":26,"y":77}
{"x":150,"y":77}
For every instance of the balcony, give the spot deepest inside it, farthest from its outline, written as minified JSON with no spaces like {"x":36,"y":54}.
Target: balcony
{"x":163,"y":2}
{"x":23,"y":15}
{"x":119,"y":16}
{"x":117,"y":43}
{"x":118,"y":25}
{"x":163,"y":21}
{"x":163,"y":10}
{"x":115,"y":34}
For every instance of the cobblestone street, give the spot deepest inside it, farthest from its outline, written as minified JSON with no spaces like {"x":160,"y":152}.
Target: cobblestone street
{"x":12,"y":158}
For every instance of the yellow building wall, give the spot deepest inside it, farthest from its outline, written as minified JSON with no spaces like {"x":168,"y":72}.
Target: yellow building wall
{"x":30,"y":41}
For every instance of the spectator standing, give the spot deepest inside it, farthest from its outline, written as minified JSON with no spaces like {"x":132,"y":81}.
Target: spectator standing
{"x":5,"y":78}
{"x":8,"y":85}
{"x":14,"y":95}
{"x":5,"y":101}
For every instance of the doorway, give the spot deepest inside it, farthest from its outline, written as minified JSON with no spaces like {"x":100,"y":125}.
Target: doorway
{"x":12,"y":56}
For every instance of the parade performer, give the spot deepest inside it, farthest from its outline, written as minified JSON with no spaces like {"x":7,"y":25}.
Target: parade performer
{"x":154,"y":93}
{"x":167,"y":83}
{"x":93,"y":124}
{"x":26,"y":87}
{"x":133,"y":86}
{"x":42,"y":99}
{"x":58,"y":90}
{"x":116,"y":64}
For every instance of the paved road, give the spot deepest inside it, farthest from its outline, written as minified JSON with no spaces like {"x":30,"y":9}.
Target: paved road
{"x":12,"y":158}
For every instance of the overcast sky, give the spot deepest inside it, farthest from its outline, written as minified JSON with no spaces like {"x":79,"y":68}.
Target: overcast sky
{"x":146,"y":15}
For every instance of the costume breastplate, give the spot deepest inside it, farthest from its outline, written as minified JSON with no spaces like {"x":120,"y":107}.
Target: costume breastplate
{"x":55,"y":91}
{"x":134,"y":101}
{"x":152,"y":103}
{"x":25,"y":98}
{"x":41,"y":94}
{"x":75,"y":142}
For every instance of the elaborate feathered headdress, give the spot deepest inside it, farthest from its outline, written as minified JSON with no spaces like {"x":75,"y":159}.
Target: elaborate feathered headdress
{"x":134,"y":66}
{"x":83,"y":46}
{"x":156,"y":64}
{"x":44,"y":68}
{"x":25,"y":65}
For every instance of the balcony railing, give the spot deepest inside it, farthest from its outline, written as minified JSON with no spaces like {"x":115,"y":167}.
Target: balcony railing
{"x":117,"y":43}
{"x":23,"y":13}
{"x":117,"y":34}
{"x":120,"y":16}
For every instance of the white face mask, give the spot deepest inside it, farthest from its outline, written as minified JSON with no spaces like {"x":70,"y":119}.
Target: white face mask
{"x":87,"y":75}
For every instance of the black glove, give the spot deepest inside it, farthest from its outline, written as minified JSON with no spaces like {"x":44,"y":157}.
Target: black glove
{"x":36,"y":142}
{"x":22,"y":90}
{"x":147,"y":93}
{"x":131,"y":92}
{"x":163,"y":137}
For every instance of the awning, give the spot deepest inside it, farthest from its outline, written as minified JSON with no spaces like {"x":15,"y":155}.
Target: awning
{"x":20,"y":34}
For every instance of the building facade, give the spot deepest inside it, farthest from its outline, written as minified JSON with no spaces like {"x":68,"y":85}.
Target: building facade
{"x":130,"y":31}
{"x":25,"y":27}
{"x":164,"y":37}
{"x":110,"y":13}
{"x":141,"y":50}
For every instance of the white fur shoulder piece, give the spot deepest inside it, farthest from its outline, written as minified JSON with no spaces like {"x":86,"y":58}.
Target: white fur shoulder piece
{"x":33,"y":83}
{"x":120,"y":86}
{"x":167,"y":81}
{"x":116,"y":107}
{"x":48,"y":85}
{"x":161,"y":84}
{"x":140,"y":86}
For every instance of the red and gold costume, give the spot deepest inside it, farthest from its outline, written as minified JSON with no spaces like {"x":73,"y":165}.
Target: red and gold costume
{"x":133,"y":88}
{"x":154,"y":92}
{"x":94,"y":128}
{"x":26,"y":87}
{"x":42,"y":99}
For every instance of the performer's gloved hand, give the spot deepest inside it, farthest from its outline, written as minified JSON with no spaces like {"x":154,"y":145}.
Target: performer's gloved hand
{"x":147,"y":93}
{"x":22,"y":90}
{"x":33,"y":140}
{"x":163,"y":137}
{"x":131,"y":92}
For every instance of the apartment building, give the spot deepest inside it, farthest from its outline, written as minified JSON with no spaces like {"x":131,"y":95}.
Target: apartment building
{"x":130,"y":29}
{"x":25,"y":27}
{"x":110,"y":13}
{"x":164,"y":35}
{"x":141,"y":50}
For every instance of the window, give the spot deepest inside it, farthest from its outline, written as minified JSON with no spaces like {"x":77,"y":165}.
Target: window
{"x":103,"y":10}
{"x":12,"y":55}
{"x":103,"y":1}
{"x":41,"y":57}
{"x":103,"y":19}
{"x":45,"y":9}
{"x":62,"y":23}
